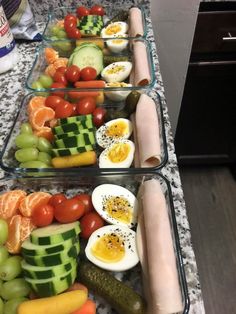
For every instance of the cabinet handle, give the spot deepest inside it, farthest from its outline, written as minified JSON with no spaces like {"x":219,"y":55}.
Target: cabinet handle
{"x":229,"y":38}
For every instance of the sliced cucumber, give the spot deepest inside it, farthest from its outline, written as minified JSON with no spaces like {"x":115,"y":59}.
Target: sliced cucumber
{"x":60,"y":152}
{"x":75,"y":119}
{"x":55,"y":233}
{"x":80,"y":140}
{"x":72,"y":127}
{"x":53,"y":259}
{"x":54,"y":285}
{"x":38,"y":272}
{"x":63,"y":135}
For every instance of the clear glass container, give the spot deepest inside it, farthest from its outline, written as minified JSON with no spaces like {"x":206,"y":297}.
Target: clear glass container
{"x":85,"y":184}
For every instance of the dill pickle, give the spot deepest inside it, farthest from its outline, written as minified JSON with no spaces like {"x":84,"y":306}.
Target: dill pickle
{"x":131,"y":102}
{"x":110,"y":59}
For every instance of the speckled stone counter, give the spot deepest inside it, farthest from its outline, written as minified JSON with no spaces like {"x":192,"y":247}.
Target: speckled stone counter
{"x":12,"y":90}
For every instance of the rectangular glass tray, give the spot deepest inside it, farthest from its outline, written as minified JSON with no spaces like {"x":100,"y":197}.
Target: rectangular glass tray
{"x":85,"y":184}
{"x":9,"y":164}
{"x":57,"y":14}
{"x":66,"y":47}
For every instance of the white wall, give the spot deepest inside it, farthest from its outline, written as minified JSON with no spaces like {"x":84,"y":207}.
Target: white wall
{"x":174,"y":24}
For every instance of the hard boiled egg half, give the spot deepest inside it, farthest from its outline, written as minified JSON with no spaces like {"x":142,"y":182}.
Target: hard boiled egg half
{"x":117,"y":45}
{"x":115,"y":204}
{"x":118,"y":155}
{"x":117,"y":71}
{"x":117,"y":95}
{"x":114,"y":29}
{"x":113,"y":248}
{"x":114,"y":130}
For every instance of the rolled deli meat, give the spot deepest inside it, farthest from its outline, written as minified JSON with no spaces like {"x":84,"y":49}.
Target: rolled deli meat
{"x":147,"y":129}
{"x":163,"y":274}
{"x":135,"y":22}
{"x":142,"y":75}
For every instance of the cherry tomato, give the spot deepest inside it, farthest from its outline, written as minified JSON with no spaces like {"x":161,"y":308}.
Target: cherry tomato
{"x":69,"y":211}
{"x":72,"y":73}
{"x":58,"y":93}
{"x":53,"y":101}
{"x":74,"y":113}
{"x":57,"y":199}
{"x":82,"y":11}
{"x":70,"y":18}
{"x":62,"y":70}
{"x":59,"y":77}
{"x":43,"y":215}
{"x":98,"y":116}
{"x":74,"y":33}
{"x":97,"y":10}
{"x":86,"y":105}
{"x":65,"y":110}
{"x":86,"y":200}
{"x":89,"y":223}
{"x":88,"y":74}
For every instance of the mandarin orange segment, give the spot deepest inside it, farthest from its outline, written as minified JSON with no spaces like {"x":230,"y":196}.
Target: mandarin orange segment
{"x":26,"y":227}
{"x":13,"y":243}
{"x":60,"y":62}
{"x":32,"y":201}
{"x":45,"y":132}
{"x":40,"y":116}
{"x":51,"y":55}
{"x":60,"y":23}
{"x":50,"y":70}
{"x":10,"y":202}
{"x":35,"y":103}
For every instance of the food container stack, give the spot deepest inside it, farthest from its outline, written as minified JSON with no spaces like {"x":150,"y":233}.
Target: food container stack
{"x":87,"y":217}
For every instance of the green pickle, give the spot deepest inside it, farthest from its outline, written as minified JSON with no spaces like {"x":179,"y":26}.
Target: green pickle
{"x":131,"y":102}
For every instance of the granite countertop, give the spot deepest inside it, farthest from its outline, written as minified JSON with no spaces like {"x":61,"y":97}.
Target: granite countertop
{"x":12,"y":90}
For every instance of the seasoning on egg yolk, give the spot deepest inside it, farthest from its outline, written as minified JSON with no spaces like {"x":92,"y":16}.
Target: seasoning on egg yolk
{"x":119,"y":152}
{"x":115,"y":69}
{"x":113,"y":29}
{"x":109,"y":248}
{"x":117,"y":129}
{"x":118,"y":208}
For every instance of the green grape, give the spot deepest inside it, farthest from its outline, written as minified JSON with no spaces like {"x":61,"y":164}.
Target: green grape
{"x":15,"y":288}
{"x":11,"y":268}
{"x":26,"y":140}
{"x":54,"y":30}
{"x":10,"y":307}
{"x":54,"y":38}
{"x":33,"y":164}
{"x":65,"y":47}
{"x":1,"y":306}
{"x":62,"y":34}
{"x":3,"y":254}
{"x":26,"y":128}
{"x":45,"y":157}
{"x":3,"y":231}
{"x":26,"y":154}
{"x":44,"y":145}
{"x":45,"y":80}
{"x":37,"y":85}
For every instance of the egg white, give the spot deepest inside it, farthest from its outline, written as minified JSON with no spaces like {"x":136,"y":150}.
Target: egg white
{"x":131,"y":256}
{"x":118,"y":95}
{"x":113,"y":73}
{"x":103,"y":192}
{"x":123,"y":30}
{"x":117,"y":45}
{"x":104,"y":140}
{"x":105,"y":162}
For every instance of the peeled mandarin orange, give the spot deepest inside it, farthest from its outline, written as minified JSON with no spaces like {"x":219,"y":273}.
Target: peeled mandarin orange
{"x":45,"y":132}
{"x":60,"y":62}
{"x":32,"y":201}
{"x":13,"y":243}
{"x":50,"y":55}
{"x":35,"y":103}
{"x":40,"y":116}
{"x":50,"y":70}
{"x":60,"y":23}
{"x":10,"y":202}
{"x":26,"y":227}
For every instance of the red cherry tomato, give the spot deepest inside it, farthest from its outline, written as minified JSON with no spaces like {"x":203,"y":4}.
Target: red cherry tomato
{"x":74,"y":33}
{"x":57,"y":199}
{"x":82,"y":11}
{"x":43,"y":215}
{"x":86,"y":105}
{"x":98,"y":116}
{"x":58,"y":93}
{"x":72,"y":73}
{"x":74,"y":113}
{"x":65,"y":110}
{"x":70,"y":18}
{"x":62,"y":70}
{"x":68,"y":211}
{"x":59,"y":77}
{"x":97,"y":10}
{"x":53,"y":101}
{"x":86,"y":200}
{"x":89,"y":223}
{"x":88,"y":74}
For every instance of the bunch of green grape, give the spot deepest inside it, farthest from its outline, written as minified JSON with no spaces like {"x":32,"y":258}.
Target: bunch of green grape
{"x":13,"y":289}
{"x":34,"y":151}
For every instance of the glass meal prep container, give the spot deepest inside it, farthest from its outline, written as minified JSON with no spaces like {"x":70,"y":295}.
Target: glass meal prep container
{"x":134,"y":19}
{"x":133,"y":65}
{"x":71,"y":186}
{"x":114,"y":112}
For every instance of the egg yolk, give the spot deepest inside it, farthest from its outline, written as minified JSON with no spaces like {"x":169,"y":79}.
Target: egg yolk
{"x":119,"y":208}
{"x":119,"y":152}
{"x":117,"y":129}
{"x":115,"y":69}
{"x":117,"y":41}
{"x":113,"y":29}
{"x":109,"y":248}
